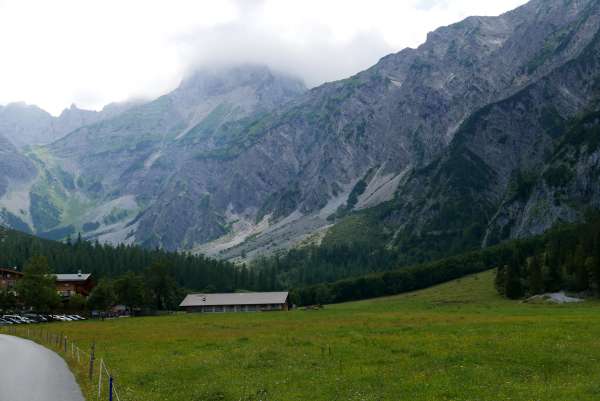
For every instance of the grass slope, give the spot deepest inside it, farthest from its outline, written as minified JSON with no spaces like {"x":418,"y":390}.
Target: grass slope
{"x":456,"y":341}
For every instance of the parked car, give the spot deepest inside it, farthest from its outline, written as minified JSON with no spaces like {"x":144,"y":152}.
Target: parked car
{"x":26,"y":319}
{"x":62,"y":318}
{"x":8,"y":319}
{"x":29,"y":318}
{"x":35,"y":318}
{"x":16,"y":319}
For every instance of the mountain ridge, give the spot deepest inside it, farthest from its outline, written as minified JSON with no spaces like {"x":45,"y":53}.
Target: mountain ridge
{"x":244,"y":162}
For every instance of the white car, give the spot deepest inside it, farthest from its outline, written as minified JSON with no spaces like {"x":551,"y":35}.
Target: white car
{"x":19,"y":318}
{"x":61,"y":318}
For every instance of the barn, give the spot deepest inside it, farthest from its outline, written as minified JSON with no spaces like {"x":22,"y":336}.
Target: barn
{"x":236,"y":302}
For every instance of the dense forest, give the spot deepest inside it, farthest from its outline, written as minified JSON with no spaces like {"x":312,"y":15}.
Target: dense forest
{"x":324,"y":264}
{"x":295,"y":268}
{"x":568,"y":260}
{"x":102,"y":260}
{"x":567,"y":257}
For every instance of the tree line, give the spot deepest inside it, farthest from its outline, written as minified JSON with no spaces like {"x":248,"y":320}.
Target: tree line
{"x":568,"y":259}
{"x":153,"y":289}
{"x":292,"y":269}
{"x":322,"y":264}
{"x":108,"y":261}
{"x":564,"y":258}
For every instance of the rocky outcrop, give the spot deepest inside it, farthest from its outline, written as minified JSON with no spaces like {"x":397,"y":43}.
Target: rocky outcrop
{"x":491,"y":182}
{"x":13,"y":166}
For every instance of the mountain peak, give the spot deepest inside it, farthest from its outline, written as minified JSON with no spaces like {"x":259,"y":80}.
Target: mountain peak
{"x":221,"y":79}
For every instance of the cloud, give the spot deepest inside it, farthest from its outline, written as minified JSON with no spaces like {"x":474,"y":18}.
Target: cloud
{"x":317,"y":57}
{"x":97,"y":51}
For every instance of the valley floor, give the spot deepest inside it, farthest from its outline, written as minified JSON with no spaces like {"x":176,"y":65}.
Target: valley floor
{"x":457,"y":341}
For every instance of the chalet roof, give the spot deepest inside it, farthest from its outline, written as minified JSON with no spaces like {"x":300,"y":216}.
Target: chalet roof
{"x":12,"y":271}
{"x":238,"y":298}
{"x":73,"y":277}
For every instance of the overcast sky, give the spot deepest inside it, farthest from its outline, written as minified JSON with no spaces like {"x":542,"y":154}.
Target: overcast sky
{"x":92,"y":52}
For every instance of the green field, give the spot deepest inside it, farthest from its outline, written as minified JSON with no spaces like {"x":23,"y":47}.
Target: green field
{"x":457,"y":341}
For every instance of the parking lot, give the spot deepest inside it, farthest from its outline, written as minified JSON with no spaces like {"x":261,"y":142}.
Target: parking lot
{"x":33,"y":318}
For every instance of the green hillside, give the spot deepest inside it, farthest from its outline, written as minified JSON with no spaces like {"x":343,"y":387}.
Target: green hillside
{"x":456,"y":341}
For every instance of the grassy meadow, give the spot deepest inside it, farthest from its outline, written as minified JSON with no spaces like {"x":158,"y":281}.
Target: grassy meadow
{"x":457,"y":341}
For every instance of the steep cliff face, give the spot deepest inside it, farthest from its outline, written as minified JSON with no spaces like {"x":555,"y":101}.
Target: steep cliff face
{"x":563,"y":189}
{"x":492,"y":182}
{"x":13,"y":166}
{"x":298,"y":165}
{"x":15,"y":170}
{"x":446,"y":142}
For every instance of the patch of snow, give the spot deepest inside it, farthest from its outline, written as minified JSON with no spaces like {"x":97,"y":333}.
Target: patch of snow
{"x":115,"y":234}
{"x":242,"y":228}
{"x":151,"y":159}
{"x":555,"y":298}
{"x":454,"y":128}
{"x":380,"y":189}
{"x":496,"y":42}
{"x":126,"y":202}
{"x":264,"y":238}
{"x":334,"y":203}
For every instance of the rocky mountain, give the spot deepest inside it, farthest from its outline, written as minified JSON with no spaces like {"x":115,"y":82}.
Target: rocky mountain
{"x":24,"y":125}
{"x":13,"y":166}
{"x":516,"y":166}
{"x":363,"y":136}
{"x":464,"y":141}
{"x":100,"y":177}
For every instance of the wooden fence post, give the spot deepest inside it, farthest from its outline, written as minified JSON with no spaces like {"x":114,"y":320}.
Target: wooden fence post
{"x":92,"y":361}
{"x":100,"y":379}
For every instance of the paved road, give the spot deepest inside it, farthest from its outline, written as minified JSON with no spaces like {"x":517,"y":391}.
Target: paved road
{"x":30,"y":372}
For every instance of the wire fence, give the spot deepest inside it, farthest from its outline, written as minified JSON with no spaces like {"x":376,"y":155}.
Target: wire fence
{"x":95,"y":370}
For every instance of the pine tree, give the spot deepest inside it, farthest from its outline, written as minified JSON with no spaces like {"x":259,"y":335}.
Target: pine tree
{"x":513,"y":287}
{"x":580,"y":269}
{"x":592,"y":265}
{"x":500,"y":280}
{"x":102,"y":297}
{"x":553,"y":277}
{"x":535,"y":280}
{"x":37,"y":287}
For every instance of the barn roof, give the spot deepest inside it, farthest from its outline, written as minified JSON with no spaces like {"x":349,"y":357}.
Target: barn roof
{"x":238,"y":298}
{"x":73,"y":277}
